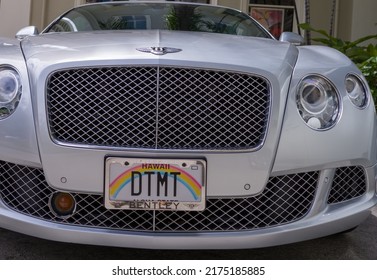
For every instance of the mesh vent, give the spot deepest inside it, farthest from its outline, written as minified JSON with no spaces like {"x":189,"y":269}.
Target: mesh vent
{"x":106,"y":107}
{"x":285,"y":199}
{"x":349,"y":183}
{"x":158,"y":108}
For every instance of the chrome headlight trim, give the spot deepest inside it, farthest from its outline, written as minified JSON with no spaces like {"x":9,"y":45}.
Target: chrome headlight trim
{"x":357,"y":91}
{"x":10,"y":90}
{"x":318,"y":102}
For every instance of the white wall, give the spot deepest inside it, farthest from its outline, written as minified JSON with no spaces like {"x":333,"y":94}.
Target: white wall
{"x":364,"y":18}
{"x":235,"y":4}
{"x":13,"y":16}
{"x":357,"y":18}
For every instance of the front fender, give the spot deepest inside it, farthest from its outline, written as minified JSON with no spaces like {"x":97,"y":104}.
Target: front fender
{"x":350,"y":142}
{"x":18,"y":141}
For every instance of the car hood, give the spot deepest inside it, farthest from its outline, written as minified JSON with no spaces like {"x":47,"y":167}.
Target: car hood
{"x":199,"y":49}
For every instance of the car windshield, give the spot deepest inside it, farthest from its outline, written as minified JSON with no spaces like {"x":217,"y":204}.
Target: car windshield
{"x":161,"y":16}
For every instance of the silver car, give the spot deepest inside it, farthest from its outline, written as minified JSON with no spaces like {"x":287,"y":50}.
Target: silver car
{"x":180,"y":125}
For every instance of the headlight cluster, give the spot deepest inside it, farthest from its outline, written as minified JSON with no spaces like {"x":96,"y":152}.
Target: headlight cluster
{"x":356,"y":91}
{"x":10,"y":91}
{"x":318,"y":102}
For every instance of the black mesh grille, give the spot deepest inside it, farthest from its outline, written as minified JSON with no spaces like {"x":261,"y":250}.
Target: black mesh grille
{"x":158,"y":108}
{"x":285,"y":199}
{"x":349,"y":182}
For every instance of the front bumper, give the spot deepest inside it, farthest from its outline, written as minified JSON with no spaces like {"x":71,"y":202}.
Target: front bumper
{"x":312,"y":205}
{"x":296,"y":191}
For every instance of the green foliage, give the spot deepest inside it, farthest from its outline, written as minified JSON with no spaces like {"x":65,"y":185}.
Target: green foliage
{"x":369,"y":69}
{"x":365,"y":57}
{"x":183,"y":18}
{"x":4,"y":111}
{"x":172,"y":20}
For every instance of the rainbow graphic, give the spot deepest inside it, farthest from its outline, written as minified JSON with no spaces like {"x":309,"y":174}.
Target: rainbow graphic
{"x":124,"y":179}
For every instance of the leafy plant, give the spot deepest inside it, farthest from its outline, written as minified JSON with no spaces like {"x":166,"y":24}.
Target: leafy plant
{"x":4,"y":111}
{"x":365,"y":57}
{"x":183,"y":18}
{"x":369,"y":69}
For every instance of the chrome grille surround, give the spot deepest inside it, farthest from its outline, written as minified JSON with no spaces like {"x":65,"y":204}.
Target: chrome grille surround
{"x":286,"y":199}
{"x":349,"y":182}
{"x":154,"y":107}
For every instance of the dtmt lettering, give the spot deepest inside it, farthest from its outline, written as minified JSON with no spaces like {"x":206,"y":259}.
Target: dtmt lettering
{"x":160,"y":185}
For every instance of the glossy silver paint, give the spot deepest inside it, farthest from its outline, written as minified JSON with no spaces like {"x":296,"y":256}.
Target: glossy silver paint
{"x":290,"y":145}
{"x":61,"y":161}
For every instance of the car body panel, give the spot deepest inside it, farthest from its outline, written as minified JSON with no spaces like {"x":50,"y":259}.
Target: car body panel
{"x":17,"y":133}
{"x":336,"y":141}
{"x":43,"y":57}
{"x":298,"y":183}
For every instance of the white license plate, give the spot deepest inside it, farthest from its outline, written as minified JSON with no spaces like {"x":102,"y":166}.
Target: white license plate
{"x":155,"y":184}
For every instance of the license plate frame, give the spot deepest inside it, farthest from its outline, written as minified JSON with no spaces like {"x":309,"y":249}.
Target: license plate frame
{"x":155,"y":184}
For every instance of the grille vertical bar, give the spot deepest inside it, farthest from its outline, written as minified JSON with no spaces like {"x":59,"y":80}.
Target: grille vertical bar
{"x":158,"y":108}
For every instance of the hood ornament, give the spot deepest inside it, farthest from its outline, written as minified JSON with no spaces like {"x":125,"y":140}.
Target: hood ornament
{"x":159,"y":50}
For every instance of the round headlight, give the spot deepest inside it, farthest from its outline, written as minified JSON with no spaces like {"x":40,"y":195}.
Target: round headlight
{"x":10,"y":91}
{"x":318,"y":102}
{"x":356,"y":91}
{"x":9,"y":85}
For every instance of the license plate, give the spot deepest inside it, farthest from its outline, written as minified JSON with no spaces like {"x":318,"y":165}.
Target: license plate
{"x":155,"y":184}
